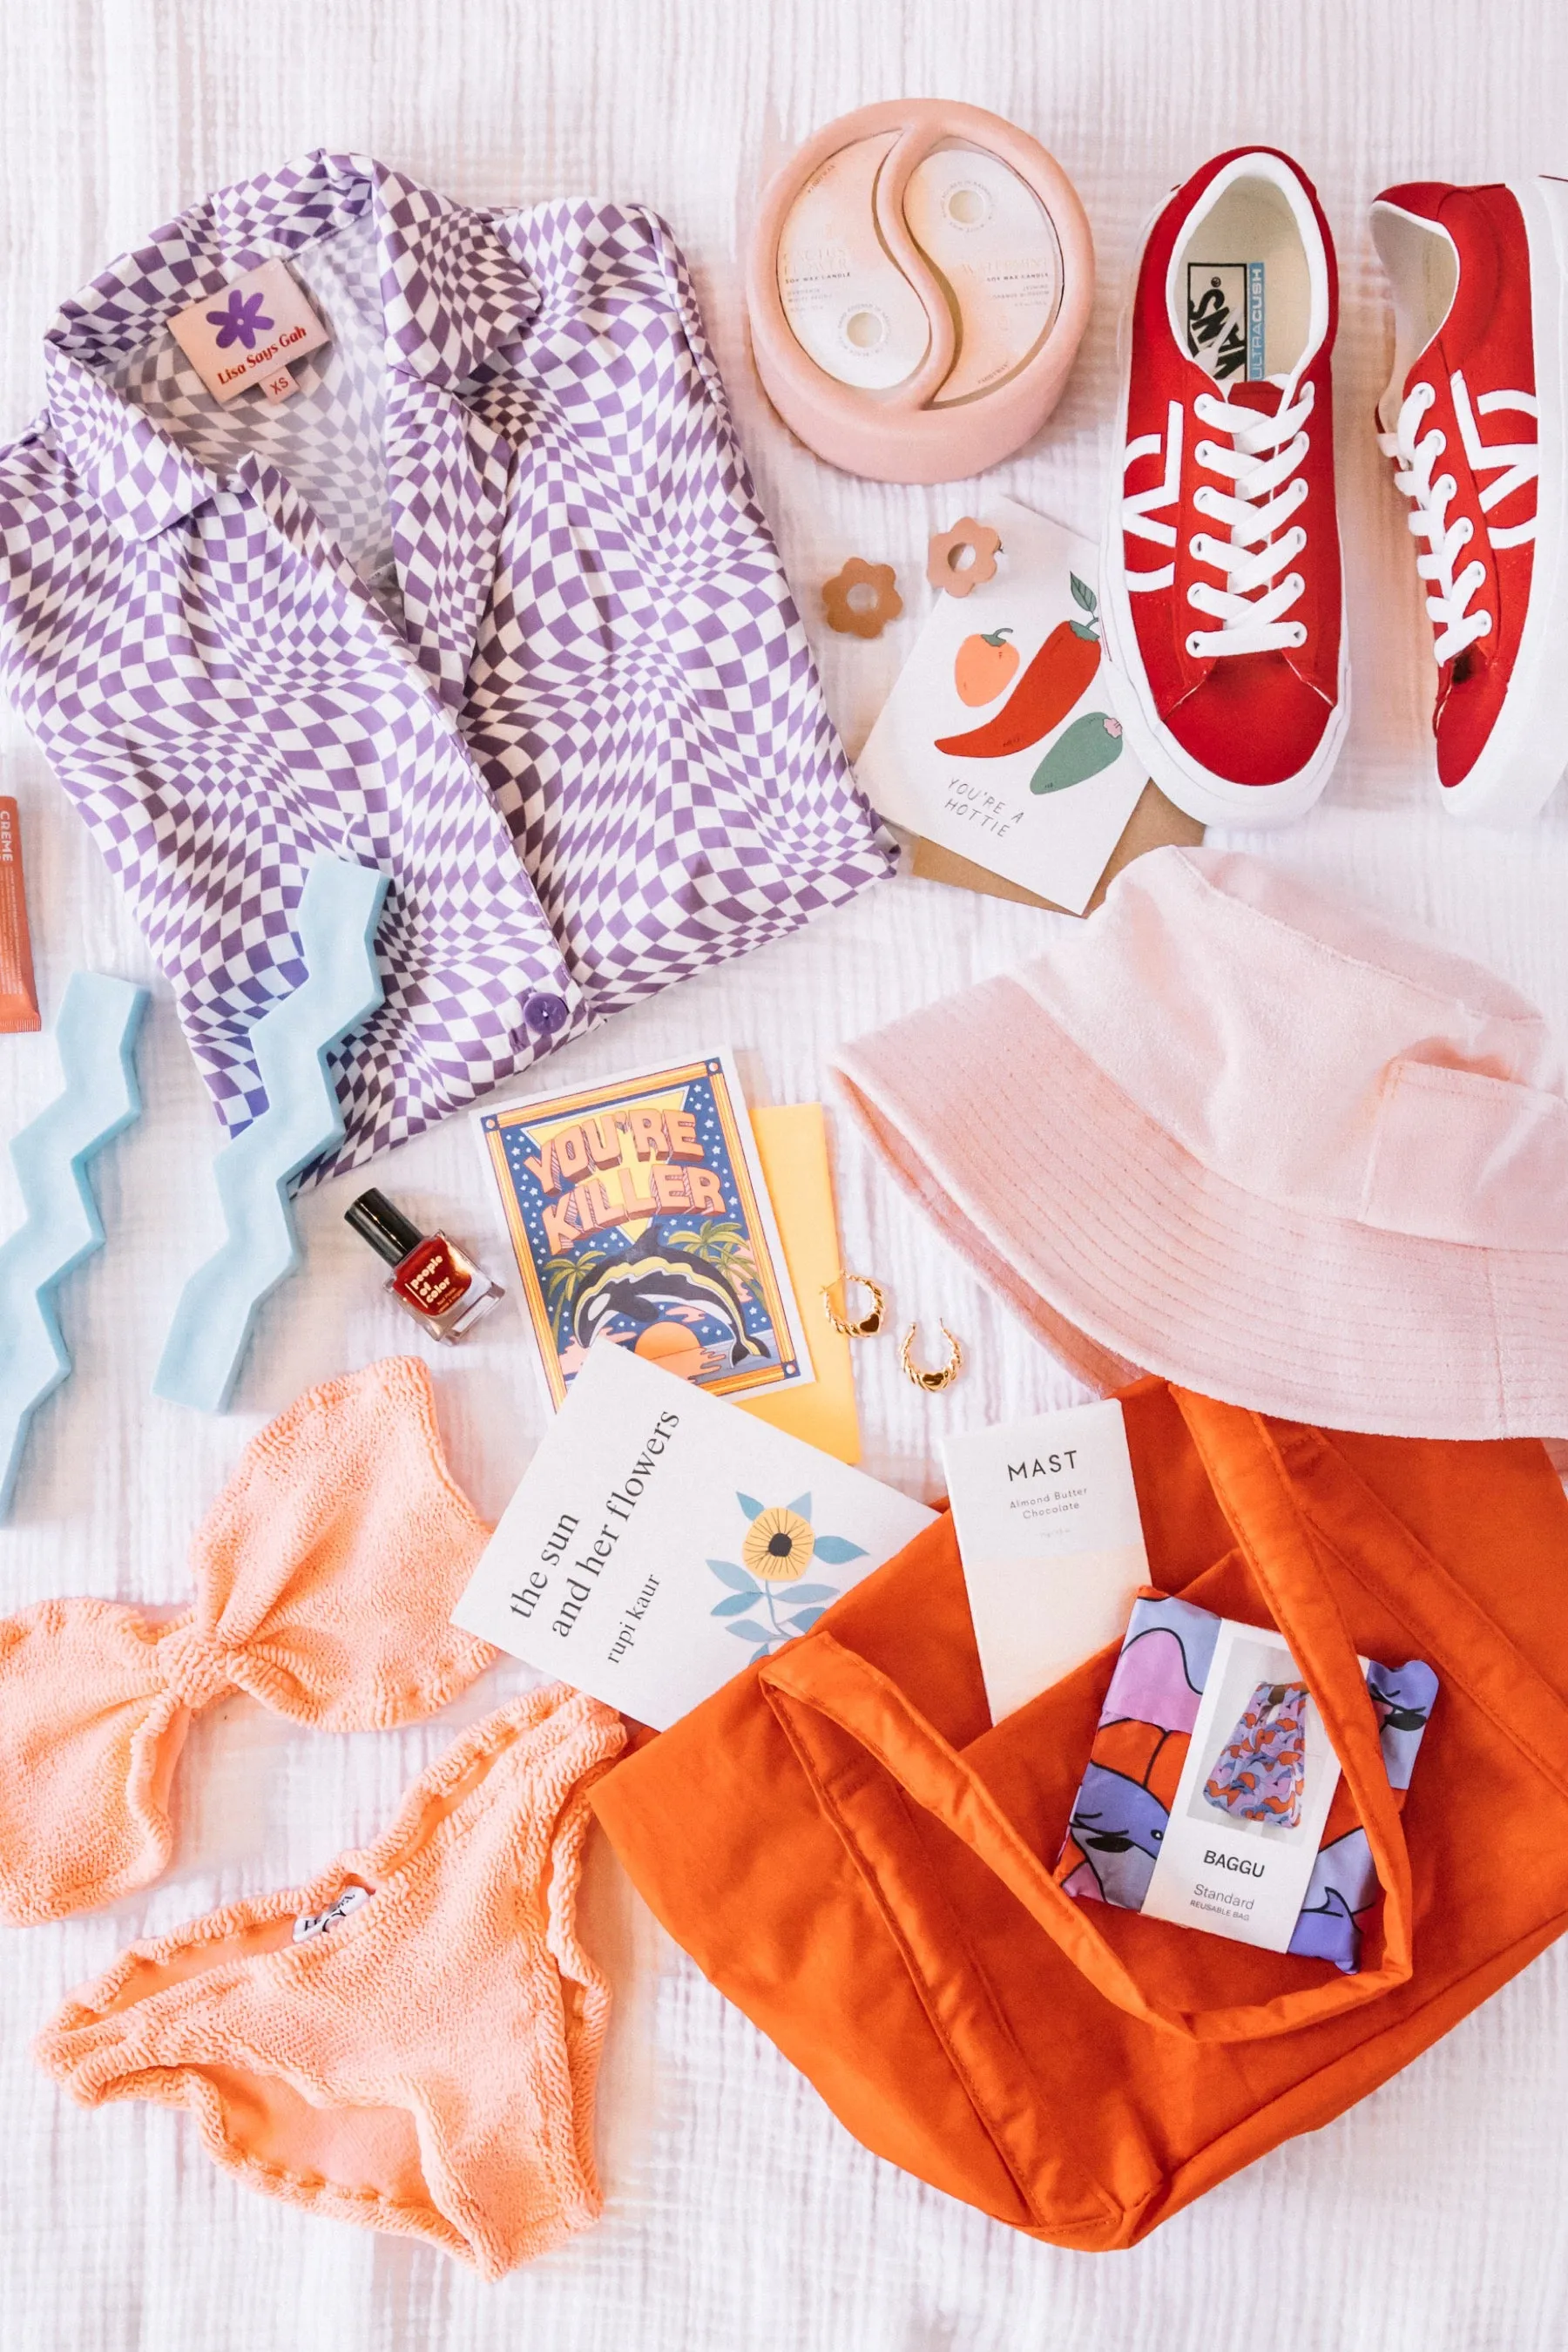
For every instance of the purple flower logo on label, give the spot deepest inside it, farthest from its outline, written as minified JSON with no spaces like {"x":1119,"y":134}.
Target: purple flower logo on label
{"x":241,"y":321}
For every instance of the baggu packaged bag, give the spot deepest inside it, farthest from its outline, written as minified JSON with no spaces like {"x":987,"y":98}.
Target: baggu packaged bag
{"x":856,"y":1855}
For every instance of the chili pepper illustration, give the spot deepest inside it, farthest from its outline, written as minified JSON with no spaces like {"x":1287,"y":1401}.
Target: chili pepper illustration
{"x":1050,"y":687}
{"x":1082,"y":750}
{"x":984,"y":666}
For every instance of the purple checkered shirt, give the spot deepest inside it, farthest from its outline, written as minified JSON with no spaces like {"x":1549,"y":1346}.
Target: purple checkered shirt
{"x":489,"y":603}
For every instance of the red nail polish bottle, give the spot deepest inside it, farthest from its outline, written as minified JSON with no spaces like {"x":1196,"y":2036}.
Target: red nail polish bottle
{"x":446,"y":1292}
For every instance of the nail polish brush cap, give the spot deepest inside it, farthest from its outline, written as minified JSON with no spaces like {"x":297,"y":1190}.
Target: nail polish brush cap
{"x":389,"y":1232}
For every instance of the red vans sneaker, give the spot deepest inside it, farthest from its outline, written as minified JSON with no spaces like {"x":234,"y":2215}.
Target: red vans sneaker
{"x":1473,"y":421}
{"x":1220,"y":577}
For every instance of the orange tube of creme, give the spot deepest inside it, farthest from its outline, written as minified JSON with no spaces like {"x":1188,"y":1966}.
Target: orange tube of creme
{"x":19,"y":989}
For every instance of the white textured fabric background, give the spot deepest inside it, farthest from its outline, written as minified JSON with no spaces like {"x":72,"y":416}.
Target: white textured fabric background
{"x":740,"y":2214}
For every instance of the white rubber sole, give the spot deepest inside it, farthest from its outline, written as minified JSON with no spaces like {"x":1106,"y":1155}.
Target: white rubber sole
{"x":1526,"y":750}
{"x":1211,"y":799}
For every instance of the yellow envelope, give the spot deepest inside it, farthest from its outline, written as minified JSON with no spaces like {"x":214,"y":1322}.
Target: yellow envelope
{"x":792,"y":1143}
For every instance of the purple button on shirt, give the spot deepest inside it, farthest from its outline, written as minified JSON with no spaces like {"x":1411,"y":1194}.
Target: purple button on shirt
{"x":488,"y":602}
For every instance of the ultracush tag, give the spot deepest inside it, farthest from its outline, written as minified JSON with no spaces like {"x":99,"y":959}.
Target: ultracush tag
{"x":847,"y":302}
{"x":1225,"y":319}
{"x":250,"y":333}
{"x":991,"y":239}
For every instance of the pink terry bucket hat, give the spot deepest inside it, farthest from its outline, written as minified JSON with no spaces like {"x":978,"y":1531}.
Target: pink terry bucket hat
{"x":1257,"y":1142}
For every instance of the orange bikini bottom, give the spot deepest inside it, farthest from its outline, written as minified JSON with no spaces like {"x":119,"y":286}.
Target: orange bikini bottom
{"x":411,"y":2040}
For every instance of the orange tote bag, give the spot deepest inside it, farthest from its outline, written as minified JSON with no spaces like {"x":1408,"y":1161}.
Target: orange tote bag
{"x":861,"y":1860}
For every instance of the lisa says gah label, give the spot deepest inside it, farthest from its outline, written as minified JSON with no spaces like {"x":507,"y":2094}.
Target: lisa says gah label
{"x":661,"y":1538}
{"x":1047,"y":1517}
{"x":250,"y":333}
{"x":1249,"y":1810}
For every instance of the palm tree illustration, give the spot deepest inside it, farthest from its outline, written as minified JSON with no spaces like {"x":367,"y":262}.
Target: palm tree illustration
{"x":565,"y":1276}
{"x":724,"y":1243}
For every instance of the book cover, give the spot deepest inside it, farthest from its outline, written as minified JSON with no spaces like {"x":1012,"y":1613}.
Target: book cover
{"x":660,"y":1540}
{"x":1000,"y":740}
{"x":639,"y":1216}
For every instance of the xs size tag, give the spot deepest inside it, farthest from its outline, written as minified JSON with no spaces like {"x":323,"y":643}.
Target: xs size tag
{"x":318,"y":1923}
{"x":250,"y":333}
{"x":1225,"y":319}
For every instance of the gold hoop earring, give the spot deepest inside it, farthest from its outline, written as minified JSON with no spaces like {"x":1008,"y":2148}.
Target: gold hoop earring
{"x":932,"y":1383}
{"x":870,"y":1323}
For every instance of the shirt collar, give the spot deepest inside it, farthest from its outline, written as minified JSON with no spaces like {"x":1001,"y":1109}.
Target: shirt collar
{"x":454,"y":291}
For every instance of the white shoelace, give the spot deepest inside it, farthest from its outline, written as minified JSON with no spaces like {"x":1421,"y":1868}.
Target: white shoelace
{"x":1265,"y":489}
{"x":1514,"y":464}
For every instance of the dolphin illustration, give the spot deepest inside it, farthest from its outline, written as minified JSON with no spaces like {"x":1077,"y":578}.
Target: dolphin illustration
{"x":645,"y":1284}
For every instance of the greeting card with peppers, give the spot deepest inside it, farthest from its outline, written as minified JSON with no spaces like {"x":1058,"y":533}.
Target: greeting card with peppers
{"x":1000,"y":739}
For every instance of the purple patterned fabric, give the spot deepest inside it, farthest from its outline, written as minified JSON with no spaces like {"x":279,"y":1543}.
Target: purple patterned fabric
{"x":489,"y":603}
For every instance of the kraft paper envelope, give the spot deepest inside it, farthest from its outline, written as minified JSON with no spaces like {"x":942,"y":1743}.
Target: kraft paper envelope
{"x":1153,"y":823}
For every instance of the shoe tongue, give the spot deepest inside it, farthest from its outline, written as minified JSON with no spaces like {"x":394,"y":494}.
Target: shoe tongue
{"x":1266,"y":395}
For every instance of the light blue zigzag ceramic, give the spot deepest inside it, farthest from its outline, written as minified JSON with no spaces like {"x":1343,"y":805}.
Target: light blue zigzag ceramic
{"x":335,"y":924}
{"x":95,"y":1035}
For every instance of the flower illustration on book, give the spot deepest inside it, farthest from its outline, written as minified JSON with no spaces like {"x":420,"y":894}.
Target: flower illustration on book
{"x":779,"y":1544}
{"x":241,"y":321}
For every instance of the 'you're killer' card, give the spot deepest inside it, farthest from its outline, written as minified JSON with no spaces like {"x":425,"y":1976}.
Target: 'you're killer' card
{"x":639,"y":1216}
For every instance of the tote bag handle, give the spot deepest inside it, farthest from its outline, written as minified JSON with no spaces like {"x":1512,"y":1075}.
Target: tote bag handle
{"x":817,"y":1683}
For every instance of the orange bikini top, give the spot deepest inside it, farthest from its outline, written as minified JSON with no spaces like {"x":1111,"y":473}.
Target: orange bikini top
{"x":325,"y":1577}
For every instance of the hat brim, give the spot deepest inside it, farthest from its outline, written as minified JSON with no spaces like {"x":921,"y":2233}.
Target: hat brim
{"x":1123,"y":1253}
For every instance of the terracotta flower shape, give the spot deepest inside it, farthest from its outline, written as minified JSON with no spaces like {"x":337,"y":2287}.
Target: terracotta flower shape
{"x":944,"y":568}
{"x":862,"y":599}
